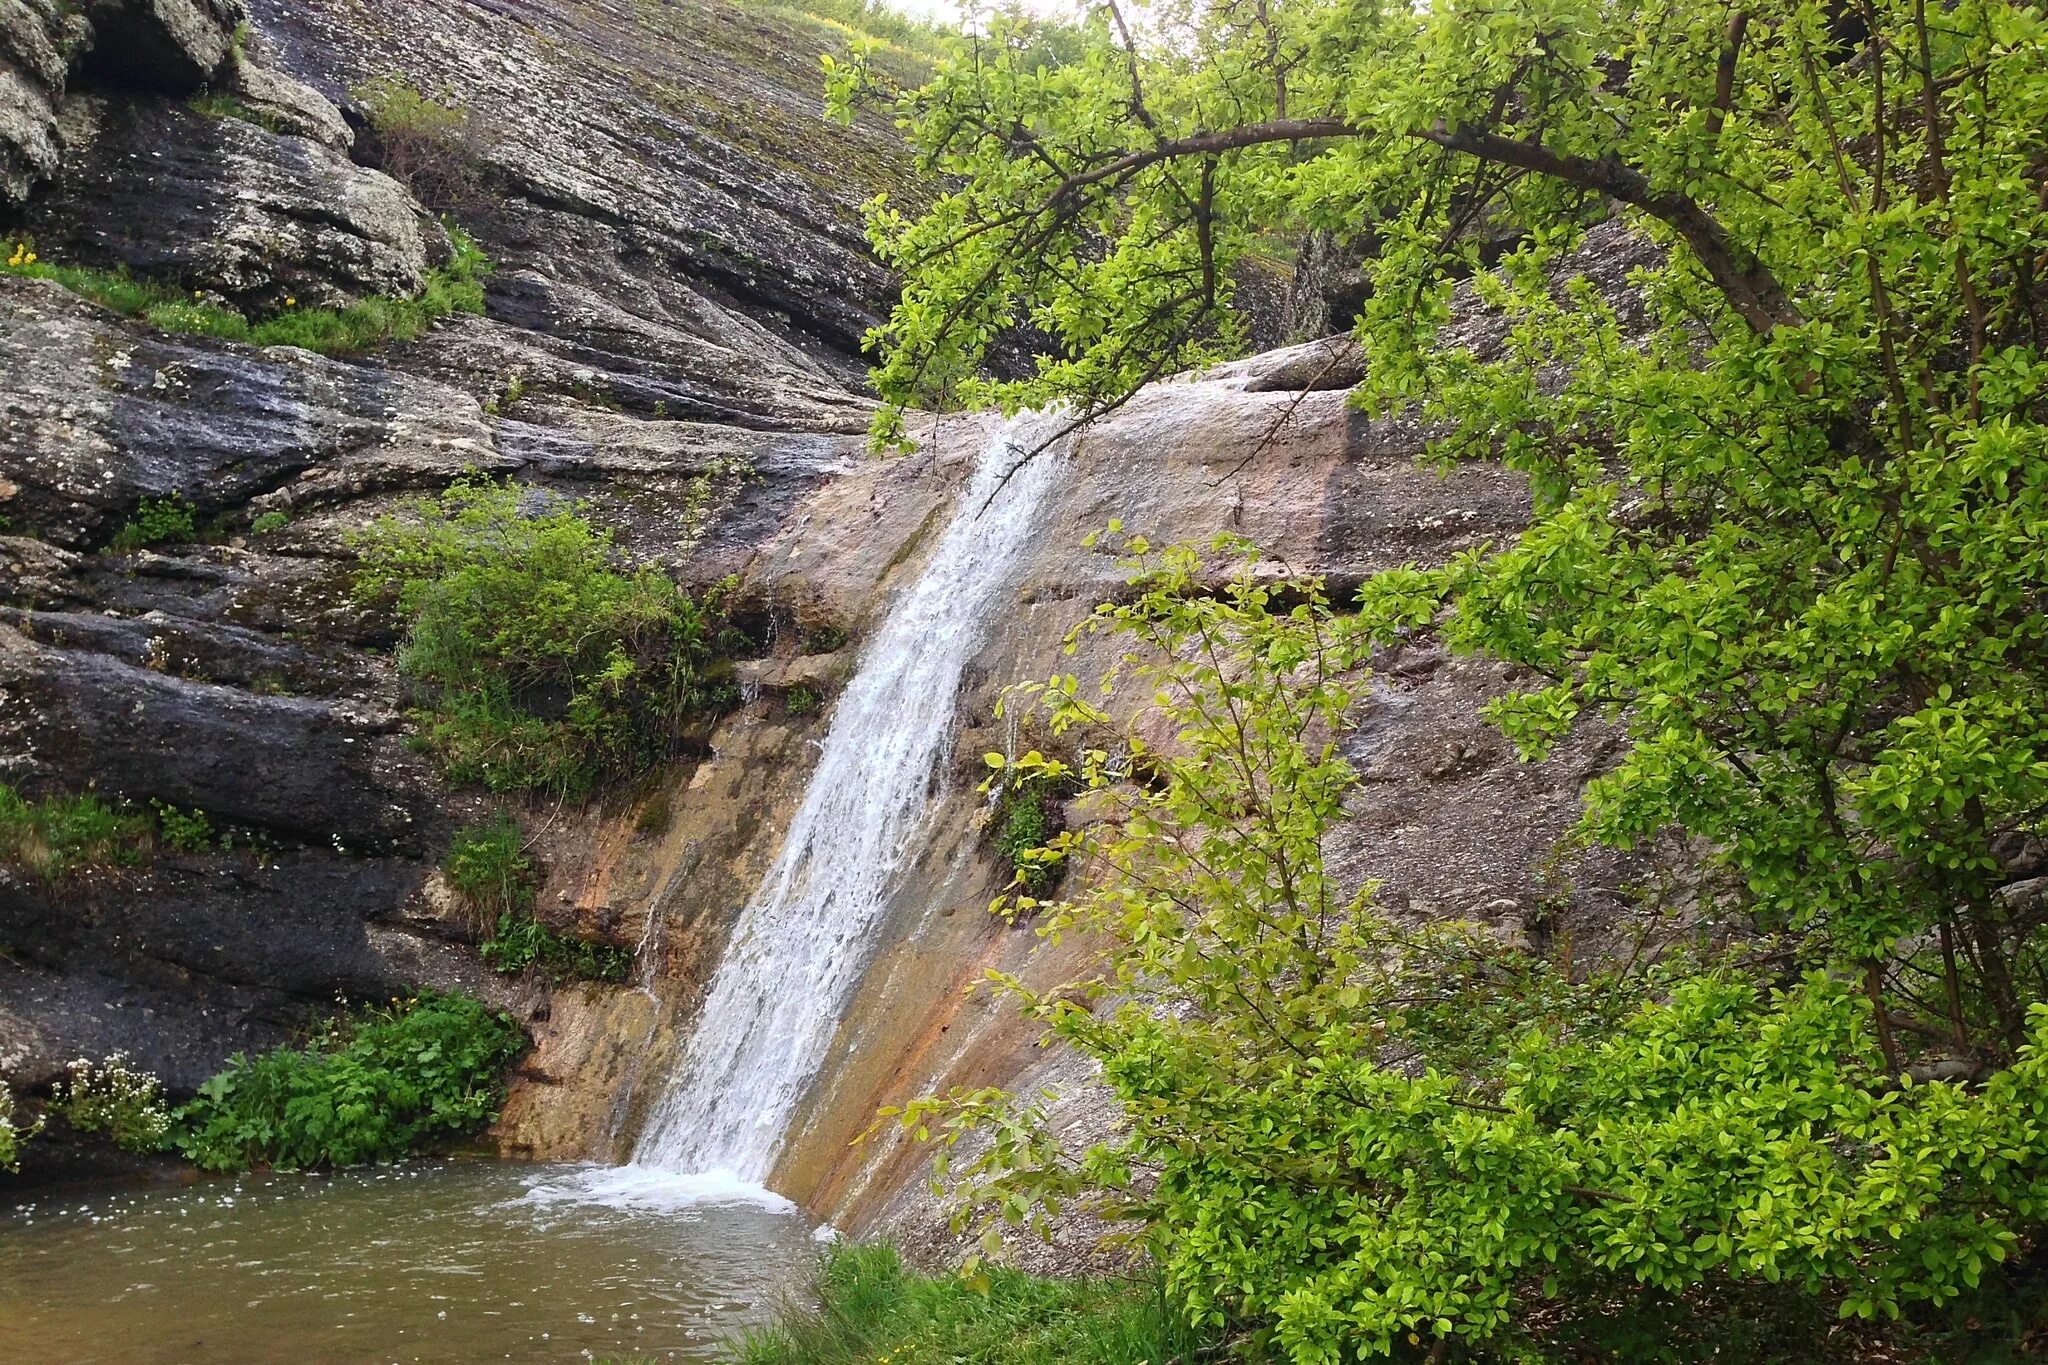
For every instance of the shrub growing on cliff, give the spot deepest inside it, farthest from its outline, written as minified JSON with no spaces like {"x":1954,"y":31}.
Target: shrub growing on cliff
{"x":1346,"y":1134}
{"x":546,"y":661}
{"x":374,"y":1086}
{"x":431,"y":146}
{"x":157,"y":521}
{"x":488,"y":868}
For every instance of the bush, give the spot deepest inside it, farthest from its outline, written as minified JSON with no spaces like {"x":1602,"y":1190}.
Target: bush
{"x":522,"y":943}
{"x":269,"y":522}
{"x":431,"y":146}
{"x":58,"y":835}
{"x":1025,"y":821}
{"x":14,"y":1135}
{"x":375,"y":1086}
{"x":360,"y":326}
{"x":108,"y":1097}
{"x":545,"y":661}
{"x":871,"y":1309}
{"x":1348,"y":1133}
{"x":488,"y":868}
{"x":157,"y":521}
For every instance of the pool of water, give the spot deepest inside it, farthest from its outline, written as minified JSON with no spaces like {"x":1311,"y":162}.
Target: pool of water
{"x":428,"y":1261}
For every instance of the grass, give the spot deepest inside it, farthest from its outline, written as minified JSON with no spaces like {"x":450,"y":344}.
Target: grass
{"x":361,"y":326}
{"x":872,"y":1308}
{"x":59,"y":835}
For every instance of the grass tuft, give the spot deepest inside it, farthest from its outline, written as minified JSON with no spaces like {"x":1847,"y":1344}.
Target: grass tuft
{"x":870,"y":1308}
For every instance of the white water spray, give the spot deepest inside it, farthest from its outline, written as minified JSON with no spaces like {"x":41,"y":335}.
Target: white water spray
{"x":799,"y":948}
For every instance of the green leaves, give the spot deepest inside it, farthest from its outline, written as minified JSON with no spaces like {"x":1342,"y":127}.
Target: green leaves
{"x":546,"y":663}
{"x":374,"y":1087}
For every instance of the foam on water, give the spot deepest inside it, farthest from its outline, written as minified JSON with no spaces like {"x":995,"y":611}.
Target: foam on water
{"x":644,"y":1189}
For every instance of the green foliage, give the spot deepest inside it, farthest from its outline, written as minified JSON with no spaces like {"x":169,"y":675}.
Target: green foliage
{"x":1024,"y":821}
{"x":521,"y":943}
{"x":59,"y":835}
{"x":870,"y":19}
{"x":547,"y":663}
{"x":358,"y":327}
{"x":112,"y":1098}
{"x":430,"y":145}
{"x":219,"y":104}
{"x":803,"y":701}
{"x":14,"y":1134}
{"x":185,"y":831}
{"x":488,"y":868}
{"x":374,"y":1086}
{"x":871,"y":1308}
{"x":157,"y":521}
{"x":1343,"y":1157}
{"x":269,"y":522}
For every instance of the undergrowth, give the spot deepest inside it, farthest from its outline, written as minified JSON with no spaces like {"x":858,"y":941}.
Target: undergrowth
{"x":454,"y":288}
{"x":488,"y":869}
{"x":872,"y":1308}
{"x":58,"y":835}
{"x":373,"y":1086}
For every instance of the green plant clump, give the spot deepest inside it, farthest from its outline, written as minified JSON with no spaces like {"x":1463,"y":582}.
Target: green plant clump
{"x":873,"y":1309}
{"x":374,"y":1086}
{"x":1025,"y":820}
{"x":269,"y":522}
{"x":545,"y":661}
{"x":58,"y":835}
{"x":488,"y":868}
{"x":457,"y":287}
{"x":521,"y":943}
{"x":14,"y":1134}
{"x":114,"y":1099}
{"x":157,"y":521}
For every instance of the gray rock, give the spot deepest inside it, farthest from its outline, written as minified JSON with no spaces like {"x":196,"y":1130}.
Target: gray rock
{"x":38,"y":39}
{"x":175,"y":46}
{"x":288,"y":106}
{"x":226,"y":206}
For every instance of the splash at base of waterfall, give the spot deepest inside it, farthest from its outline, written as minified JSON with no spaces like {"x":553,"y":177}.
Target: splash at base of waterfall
{"x":643,"y":1189}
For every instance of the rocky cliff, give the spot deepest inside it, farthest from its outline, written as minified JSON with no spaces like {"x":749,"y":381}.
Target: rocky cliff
{"x":671,"y":332}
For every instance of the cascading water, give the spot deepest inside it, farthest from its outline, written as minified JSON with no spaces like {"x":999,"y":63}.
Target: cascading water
{"x":798,"y":949}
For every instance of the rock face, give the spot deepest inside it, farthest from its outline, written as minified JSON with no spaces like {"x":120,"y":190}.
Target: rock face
{"x":175,"y":46}
{"x":38,"y":40}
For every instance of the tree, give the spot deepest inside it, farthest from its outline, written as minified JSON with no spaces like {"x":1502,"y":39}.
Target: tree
{"x":1793,"y":535}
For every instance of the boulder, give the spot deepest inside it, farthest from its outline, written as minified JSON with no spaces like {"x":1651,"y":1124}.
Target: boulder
{"x":227,"y":206}
{"x":176,"y":46}
{"x":38,"y":39}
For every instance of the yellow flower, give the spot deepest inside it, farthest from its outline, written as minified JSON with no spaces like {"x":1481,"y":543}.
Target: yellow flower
{"x":291,"y":302}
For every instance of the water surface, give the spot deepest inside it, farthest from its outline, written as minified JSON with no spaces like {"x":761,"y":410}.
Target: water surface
{"x":427,"y":1261}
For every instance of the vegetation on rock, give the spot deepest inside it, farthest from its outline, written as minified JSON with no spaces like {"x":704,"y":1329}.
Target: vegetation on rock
{"x":361,"y":326}
{"x":1790,"y":535}
{"x":546,"y":662}
{"x":373,"y":1086}
{"x":14,"y":1134}
{"x":58,"y":835}
{"x":157,"y":521}
{"x":430,"y":145}
{"x":113,"y":1099}
{"x":488,"y":868}
{"x":871,"y":1308}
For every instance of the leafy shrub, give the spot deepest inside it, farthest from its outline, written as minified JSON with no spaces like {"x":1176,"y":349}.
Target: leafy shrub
{"x":157,"y":521}
{"x":1025,"y":820}
{"x":187,"y":831}
{"x":59,"y":835}
{"x":14,"y":1135}
{"x":522,"y":943}
{"x":273,"y":520}
{"x":110,"y":1097}
{"x":802,"y":701}
{"x":454,"y":288}
{"x":371,"y":1087}
{"x":431,"y":146}
{"x":546,"y":662}
{"x":871,"y":1308}
{"x":1348,"y":1134}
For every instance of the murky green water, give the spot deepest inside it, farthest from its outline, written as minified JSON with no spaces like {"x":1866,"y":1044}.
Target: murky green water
{"x":431,"y":1261}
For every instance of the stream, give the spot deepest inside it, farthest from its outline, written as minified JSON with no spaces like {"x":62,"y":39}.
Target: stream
{"x":425,"y":1261}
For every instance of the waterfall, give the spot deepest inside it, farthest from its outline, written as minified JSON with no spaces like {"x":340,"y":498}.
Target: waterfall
{"x":800,"y":946}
